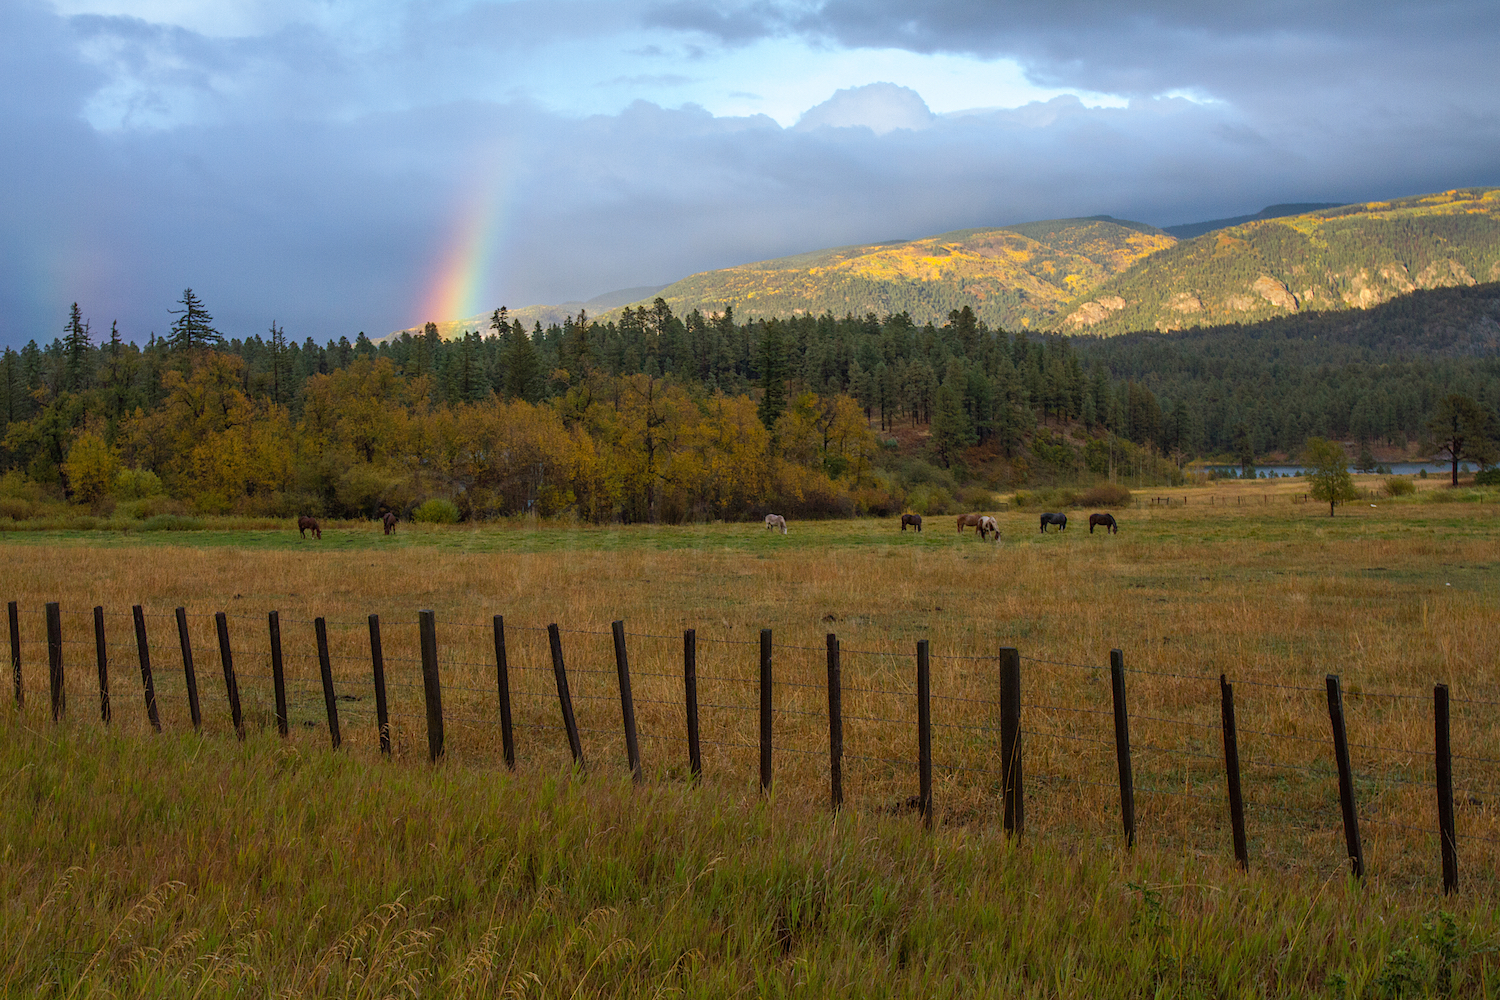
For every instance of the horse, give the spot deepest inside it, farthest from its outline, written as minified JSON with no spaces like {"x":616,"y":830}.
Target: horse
{"x":1061,"y":520}
{"x":1105,"y":521}
{"x":389,"y":520}
{"x":774,"y":521}
{"x":968,"y":521}
{"x":306,"y":524}
{"x":915,"y":520}
{"x":989,"y":527}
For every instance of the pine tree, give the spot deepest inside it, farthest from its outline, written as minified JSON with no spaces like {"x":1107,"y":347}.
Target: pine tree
{"x":76,"y":344}
{"x":772,"y":357}
{"x":281,"y":365}
{"x":193,"y":326}
{"x":523,"y":368}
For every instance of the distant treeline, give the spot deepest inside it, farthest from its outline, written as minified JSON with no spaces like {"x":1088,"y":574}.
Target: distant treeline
{"x":986,"y":397}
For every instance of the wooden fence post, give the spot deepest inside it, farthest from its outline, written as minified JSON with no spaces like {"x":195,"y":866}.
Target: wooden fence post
{"x":101,"y":654}
{"x":278,"y":672}
{"x":13,"y":613}
{"x":187,"y":668}
{"x":502,"y":684}
{"x":765,"y":710}
{"x":1122,"y":744}
{"x":143,"y":649}
{"x":564,"y":699}
{"x":1446,"y":832}
{"x":325,"y":670}
{"x":231,"y":683}
{"x":432,"y":687}
{"x":924,"y":734}
{"x":690,"y":691}
{"x":377,"y":667}
{"x":835,"y":725}
{"x":55,"y":661}
{"x":1232,"y":772}
{"x":1010,"y":741}
{"x":1346,"y":776}
{"x":627,"y":703}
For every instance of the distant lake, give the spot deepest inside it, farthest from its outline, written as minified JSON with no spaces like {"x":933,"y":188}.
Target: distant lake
{"x":1397,"y":469}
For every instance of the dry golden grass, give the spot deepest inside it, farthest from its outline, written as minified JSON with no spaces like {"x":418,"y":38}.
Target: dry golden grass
{"x":1273,"y":594}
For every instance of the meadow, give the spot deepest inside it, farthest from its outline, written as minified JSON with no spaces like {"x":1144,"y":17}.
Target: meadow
{"x":196,"y":865}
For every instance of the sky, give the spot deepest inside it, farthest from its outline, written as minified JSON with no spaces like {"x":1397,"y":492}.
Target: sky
{"x":337,"y":166}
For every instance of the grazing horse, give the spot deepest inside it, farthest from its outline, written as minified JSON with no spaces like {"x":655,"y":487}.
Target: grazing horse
{"x":774,"y":521}
{"x":1105,"y":521}
{"x":306,"y":524}
{"x":968,"y":521}
{"x":389,"y":521}
{"x":1061,"y":520}
{"x":989,"y":528}
{"x":915,"y":520}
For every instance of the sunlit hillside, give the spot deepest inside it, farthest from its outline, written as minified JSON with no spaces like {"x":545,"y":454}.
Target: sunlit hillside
{"x":1355,"y":256}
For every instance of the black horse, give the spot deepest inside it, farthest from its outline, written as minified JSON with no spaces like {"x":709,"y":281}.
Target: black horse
{"x":1061,"y":520}
{"x":915,"y":520}
{"x":1105,"y":521}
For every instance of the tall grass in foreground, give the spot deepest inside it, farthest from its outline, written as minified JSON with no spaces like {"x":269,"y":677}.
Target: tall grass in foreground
{"x":187,"y":866}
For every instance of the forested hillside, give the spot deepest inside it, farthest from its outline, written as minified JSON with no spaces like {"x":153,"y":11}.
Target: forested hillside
{"x":667,"y":417}
{"x":1352,"y":257}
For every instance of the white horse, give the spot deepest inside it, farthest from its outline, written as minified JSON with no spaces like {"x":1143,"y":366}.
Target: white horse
{"x":774,"y":521}
{"x":988,"y":526}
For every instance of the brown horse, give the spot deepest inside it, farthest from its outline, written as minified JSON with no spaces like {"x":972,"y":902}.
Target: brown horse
{"x":1105,"y":521}
{"x":968,"y":521}
{"x":915,"y":520}
{"x":306,"y":524}
{"x":389,"y":521}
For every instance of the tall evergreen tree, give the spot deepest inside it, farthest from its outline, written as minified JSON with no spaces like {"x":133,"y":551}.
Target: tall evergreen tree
{"x":76,"y":345}
{"x":772,"y":360}
{"x":523,"y":367}
{"x":193,"y":327}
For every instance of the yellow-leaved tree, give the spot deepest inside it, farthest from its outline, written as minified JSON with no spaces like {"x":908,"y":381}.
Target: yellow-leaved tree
{"x":90,"y":467}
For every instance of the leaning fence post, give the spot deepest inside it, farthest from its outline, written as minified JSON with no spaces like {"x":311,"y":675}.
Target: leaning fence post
{"x":143,"y":649}
{"x":1232,"y":772}
{"x":924,"y":734}
{"x":377,"y":667}
{"x":1346,"y":776}
{"x":1447,"y":834}
{"x":690,"y":691}
{"x":432,"y":688}
{"x":1010,"y":741}
{"x":325,"y":670}
{"x":564,"y":699}
{"x":835,"y":725}
{"x":627,"y":703}
{"x":15,"y":651}
{"x":101,"y":654}
{"x":187,"y":668}
{"x":231,"y":683}
{"x":502,"y":684}
{"x":55,"y":661}
{"x":278,"y":671}
{"x":1122,"y":744}
{"x":765,"y":710}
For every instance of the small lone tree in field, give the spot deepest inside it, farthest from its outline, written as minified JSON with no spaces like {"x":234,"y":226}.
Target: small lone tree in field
{"x":1329,"y":472}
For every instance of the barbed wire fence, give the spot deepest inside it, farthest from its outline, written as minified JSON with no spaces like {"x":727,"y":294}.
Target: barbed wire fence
{"x":1033,"y":744}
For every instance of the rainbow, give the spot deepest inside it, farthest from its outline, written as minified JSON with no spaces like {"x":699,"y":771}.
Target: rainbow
{"x":461,"y":285}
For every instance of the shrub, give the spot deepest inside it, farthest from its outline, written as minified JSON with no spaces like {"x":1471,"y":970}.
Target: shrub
{"x":1487,"y":477}
{"x":1398,"y":486}
{"x":148,"y":507}
{"x":134,"y":484}
{"x":1105,"y":495}
{"x":438,"y":510}
{"x":171,"y":522}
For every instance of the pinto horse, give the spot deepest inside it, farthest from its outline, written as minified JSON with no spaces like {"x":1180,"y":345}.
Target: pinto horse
{"x":989,"y":528}
{"x":915,"y":520}
{"x":1105,"y":521}
{"x":774,"y":521}
{"x":1061,"y":520}
{"x":389,"y":521}
{"x":968,"y":521}
{"x":306,"y":524}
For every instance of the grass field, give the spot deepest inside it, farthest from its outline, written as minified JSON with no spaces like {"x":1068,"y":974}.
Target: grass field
{"x":1274,"y":594}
